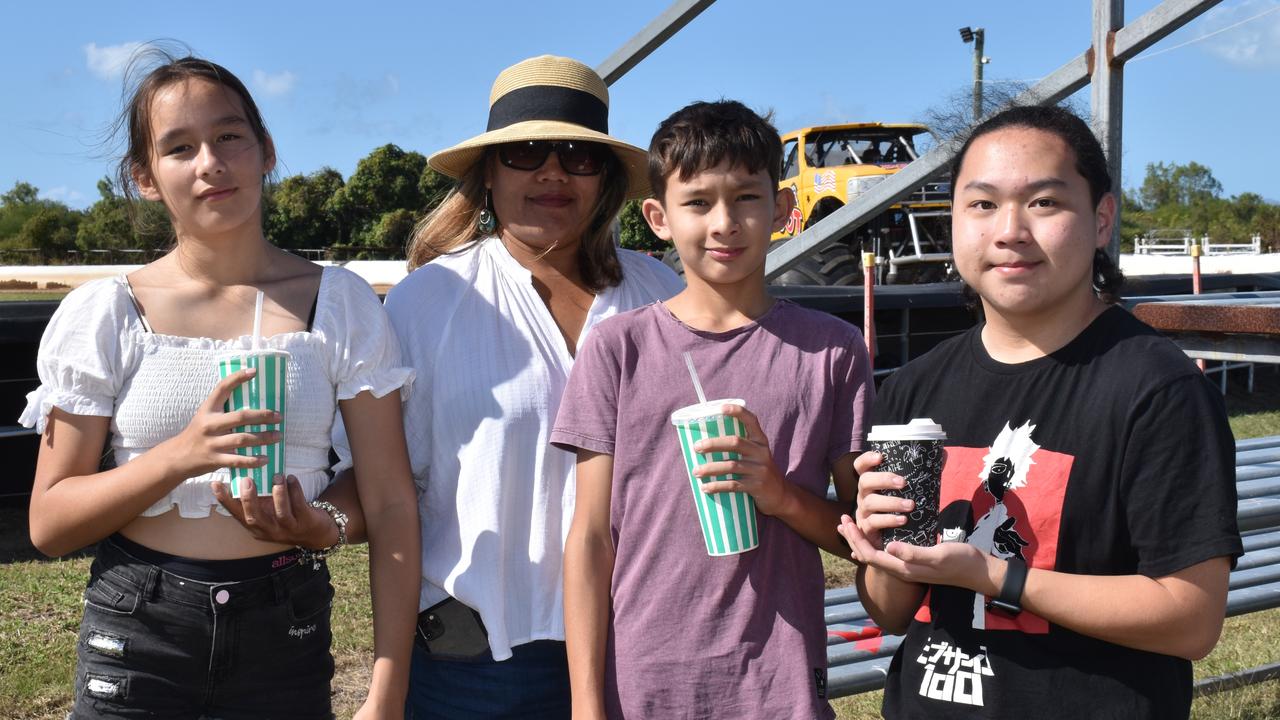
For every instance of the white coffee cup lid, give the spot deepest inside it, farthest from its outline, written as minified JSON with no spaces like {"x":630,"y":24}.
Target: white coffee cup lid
{"x":917,"y":429}
{"x":701,"y":411}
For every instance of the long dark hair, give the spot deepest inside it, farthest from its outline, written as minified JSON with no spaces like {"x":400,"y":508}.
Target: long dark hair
{"x":1091,"y":163}
{"x":134,"y":122}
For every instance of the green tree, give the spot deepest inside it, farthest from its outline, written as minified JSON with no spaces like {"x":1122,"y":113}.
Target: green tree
{"x":1189,"y":197}
{"x":51,"y":231}
{"x":1175,"y":184}
{"x":390,"y":233}
{"x":433,"y":187}
{"x":106,"y":225}
{"x":300,"y":214}
{"x":1134,"y":220}
{"x":151,"y":226}
{"x":634,"y":232}
{"x":112,"y":223}
{"x":17,"y":207}
{"x":23,"y":193}
{"x":387,"y":179}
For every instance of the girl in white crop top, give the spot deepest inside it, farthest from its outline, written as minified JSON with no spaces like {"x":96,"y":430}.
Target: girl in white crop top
{"x":134,"y":357}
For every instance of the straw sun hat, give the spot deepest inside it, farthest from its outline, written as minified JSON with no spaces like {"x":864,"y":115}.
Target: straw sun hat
{"x":547,"y":98}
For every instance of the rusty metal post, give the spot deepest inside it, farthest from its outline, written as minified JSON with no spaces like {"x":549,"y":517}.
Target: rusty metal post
{"x":869,"y":305}
{"x":1195,"y":286}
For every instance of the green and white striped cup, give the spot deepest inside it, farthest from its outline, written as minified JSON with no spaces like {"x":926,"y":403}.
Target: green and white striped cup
{"x":266,"y":390}
{"x":728,"y":519}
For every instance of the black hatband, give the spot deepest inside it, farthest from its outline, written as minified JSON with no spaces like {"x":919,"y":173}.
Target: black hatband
{"x":549,"y":102}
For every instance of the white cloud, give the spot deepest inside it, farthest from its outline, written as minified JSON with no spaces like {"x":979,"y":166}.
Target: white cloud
{"x":63,"y":194}
{"x":1255,"y":43}
{"x":273,"y":85}
{"x":108,"y":62}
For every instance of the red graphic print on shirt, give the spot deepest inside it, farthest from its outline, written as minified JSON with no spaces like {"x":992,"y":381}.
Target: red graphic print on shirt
{"x":1021,"y":517}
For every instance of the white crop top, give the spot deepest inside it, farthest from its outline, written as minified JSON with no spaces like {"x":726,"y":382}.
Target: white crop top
{"x":97,"y":358}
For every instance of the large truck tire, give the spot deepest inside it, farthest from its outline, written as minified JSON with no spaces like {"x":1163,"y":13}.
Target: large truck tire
{"x":835,"y":265}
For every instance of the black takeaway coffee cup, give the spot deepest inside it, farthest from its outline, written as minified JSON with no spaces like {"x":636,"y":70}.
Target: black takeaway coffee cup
{"x":914,"y":451}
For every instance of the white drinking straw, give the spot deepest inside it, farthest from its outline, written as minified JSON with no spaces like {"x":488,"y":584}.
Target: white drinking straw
{"x":257,"y":321}
{"x":693,"y":374}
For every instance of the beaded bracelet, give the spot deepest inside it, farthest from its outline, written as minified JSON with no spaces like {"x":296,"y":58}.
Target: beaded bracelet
{"x":339,"y":519}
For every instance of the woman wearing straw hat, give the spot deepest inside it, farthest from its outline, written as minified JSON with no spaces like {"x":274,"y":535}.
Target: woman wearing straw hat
{"x":512,"y":270}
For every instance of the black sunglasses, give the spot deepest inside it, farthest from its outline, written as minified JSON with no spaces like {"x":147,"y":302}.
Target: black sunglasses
{"x":577,"y":157}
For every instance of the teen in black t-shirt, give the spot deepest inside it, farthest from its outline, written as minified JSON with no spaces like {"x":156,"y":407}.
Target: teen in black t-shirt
{"x":1081,"y":445}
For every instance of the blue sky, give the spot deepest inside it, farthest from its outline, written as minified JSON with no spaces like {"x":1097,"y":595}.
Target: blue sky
{"x":335,"y":80}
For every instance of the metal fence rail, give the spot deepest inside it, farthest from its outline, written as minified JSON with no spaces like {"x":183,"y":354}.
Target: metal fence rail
{"x":859,"y":654}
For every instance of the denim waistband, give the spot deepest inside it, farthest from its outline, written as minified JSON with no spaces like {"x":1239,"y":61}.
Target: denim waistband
{"x":210,"y":571}
{"x":154,"y":581}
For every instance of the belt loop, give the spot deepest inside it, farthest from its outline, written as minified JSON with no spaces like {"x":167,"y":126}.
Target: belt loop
{"x":278,"y":586}
{"x":152,"y":583}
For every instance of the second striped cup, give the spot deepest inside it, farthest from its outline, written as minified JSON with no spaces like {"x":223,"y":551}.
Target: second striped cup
{"x":266,"y":390}
{"x":728,"y":519}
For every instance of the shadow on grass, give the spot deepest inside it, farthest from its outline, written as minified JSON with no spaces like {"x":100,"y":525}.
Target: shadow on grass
{"x":1265,"y":397}
{"x":15,"y":538}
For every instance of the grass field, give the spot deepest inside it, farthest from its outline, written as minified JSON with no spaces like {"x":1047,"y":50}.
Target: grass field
{"x":40,"y":614}
{"x":20,"y":295}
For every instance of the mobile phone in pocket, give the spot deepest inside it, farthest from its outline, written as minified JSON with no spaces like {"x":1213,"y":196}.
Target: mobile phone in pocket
{"x":452,"y":631}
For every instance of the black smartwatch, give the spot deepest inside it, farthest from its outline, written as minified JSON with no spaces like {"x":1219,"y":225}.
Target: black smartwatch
{"x":1009,"y":601}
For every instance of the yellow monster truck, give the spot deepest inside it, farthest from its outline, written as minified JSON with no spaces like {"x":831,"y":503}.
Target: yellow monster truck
{"x":828,"y":166}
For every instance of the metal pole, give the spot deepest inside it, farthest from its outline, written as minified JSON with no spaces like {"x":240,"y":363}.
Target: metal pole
{"x":1107,"y":95}
{"x":1195,"y":290}
{"x":978,"y":35}
{"x":650,"y":38}
{"x":1073,"y":75}
{"x":869,"y":306}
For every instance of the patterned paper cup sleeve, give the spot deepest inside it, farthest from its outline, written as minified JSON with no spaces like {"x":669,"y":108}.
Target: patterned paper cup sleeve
{"x":265,"y":390}
{"x":919,"y":463}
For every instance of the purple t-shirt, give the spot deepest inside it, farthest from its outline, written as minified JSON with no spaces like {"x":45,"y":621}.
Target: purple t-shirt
{"x":692,"y":635}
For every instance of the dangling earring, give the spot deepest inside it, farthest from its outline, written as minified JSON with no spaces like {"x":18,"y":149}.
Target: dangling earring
{"x":1100,"y":262}
{"x":486,"y":222}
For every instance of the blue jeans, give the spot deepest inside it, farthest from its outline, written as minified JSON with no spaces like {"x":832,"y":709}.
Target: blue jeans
{"x":531,"y":685}
{"x":154,"y":644}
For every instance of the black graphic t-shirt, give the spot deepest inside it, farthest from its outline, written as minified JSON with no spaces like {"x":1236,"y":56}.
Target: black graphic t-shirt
{"x":1111,"y":456}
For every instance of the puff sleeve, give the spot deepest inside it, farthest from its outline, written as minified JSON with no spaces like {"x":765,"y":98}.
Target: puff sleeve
{"x":81,"y":358}
{"x":364,"y":351}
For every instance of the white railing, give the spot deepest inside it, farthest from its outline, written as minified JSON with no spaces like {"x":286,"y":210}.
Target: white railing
{"x":1163,"y":246}
{"x":1253,"y":247}
{"x":1182,"y":246}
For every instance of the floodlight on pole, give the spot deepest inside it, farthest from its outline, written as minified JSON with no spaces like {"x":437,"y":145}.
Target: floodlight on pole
{"x":975,"y":36}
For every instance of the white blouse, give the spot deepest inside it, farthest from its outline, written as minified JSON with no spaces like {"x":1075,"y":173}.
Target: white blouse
{"x":495,"y":497}
{"x":98,"y":358}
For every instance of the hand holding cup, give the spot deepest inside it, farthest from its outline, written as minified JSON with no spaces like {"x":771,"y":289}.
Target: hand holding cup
{"x":753,"y":470}
{"x":727,"y":516}
{"x":283,"y":517}
{"x":876,"y":511}
{"x":265,"y":390}
{"x":211,"y":440}
{"x":914,"y":454}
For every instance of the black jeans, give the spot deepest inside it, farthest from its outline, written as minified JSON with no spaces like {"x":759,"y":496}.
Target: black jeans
{"x":153,"y":644}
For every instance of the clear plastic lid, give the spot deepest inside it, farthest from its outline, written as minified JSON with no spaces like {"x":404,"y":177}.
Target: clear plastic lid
{"x":918,"y":429}
{"x":702,"y":411}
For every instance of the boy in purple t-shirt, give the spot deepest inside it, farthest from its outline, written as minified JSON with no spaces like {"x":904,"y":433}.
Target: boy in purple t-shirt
{"x":657,"y":628}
